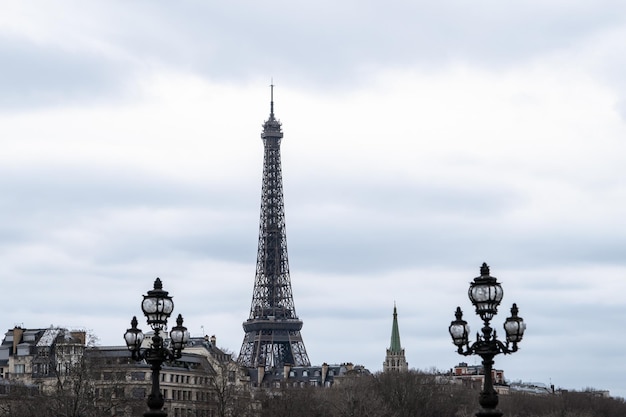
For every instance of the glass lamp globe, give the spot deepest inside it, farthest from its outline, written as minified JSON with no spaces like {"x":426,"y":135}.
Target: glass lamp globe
{"x":179,"y":334}
{"x":157,"y":306}
{"x":459,"y":329}
{"x":514,"y":326}
{"x":133,"y":336}
{"x":485,"y":293}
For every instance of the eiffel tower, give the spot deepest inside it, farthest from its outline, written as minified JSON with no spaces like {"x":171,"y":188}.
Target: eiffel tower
{"x":272,"y":336}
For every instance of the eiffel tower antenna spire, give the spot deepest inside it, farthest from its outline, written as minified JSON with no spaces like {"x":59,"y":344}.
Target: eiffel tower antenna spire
{"x":272,"y":99}
{"x":272,"y":332}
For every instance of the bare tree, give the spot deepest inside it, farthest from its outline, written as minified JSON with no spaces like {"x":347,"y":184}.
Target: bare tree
{"x":292,"y":401}
{"x":356,"y":397}
{"x":224,"y":387}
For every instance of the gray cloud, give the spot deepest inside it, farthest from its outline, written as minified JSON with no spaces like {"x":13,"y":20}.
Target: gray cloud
{"x":39,"y":75}
{"x":318,"y":44}
{"x":331,"y":43}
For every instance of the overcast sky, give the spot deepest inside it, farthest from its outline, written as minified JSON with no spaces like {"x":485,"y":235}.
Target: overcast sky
{"x":420,"y":140}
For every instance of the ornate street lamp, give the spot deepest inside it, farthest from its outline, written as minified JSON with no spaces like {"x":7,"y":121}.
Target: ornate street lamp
{"x":157,"y":306}
{"x":486,"y":293}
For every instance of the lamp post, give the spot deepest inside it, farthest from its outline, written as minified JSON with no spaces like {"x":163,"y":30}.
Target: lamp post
{"x":157,"y":306}
{"x":485,"y":294}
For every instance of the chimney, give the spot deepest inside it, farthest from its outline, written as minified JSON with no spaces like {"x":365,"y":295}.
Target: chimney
{"x":17,"y":338}
{"x":324,"y":372}
{"x":260,"y":374}
{"x":213,"y":340}
{"x":80,"y":335}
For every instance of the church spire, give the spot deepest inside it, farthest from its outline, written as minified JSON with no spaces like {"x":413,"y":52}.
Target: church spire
{"x":395,"y":333}
{"x":395,"y":359}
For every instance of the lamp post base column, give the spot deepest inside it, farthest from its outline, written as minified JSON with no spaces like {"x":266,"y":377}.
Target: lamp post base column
{"x":155,"y":413}
{"x":489,"y":413}
{"x":488,"y":396}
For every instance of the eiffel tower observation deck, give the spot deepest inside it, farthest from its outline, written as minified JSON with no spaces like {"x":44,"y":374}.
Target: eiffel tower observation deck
{"x":272,"y":336}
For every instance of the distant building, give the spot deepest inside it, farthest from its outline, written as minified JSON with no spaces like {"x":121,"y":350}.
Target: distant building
{"x":538,"y":388}
{"x":37,"y":356}
{"x":203,"y":380}
{"x":55,"y":362}
{"x":474,"y":375}
{"x":395,"y":359}
{"x":305,"y":376}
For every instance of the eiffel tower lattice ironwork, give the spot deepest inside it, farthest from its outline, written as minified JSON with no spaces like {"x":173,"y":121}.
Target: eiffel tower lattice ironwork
{"x":272,"y":336}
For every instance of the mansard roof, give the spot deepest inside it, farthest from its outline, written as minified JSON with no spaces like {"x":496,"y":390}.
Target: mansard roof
{"x":308,"y":375}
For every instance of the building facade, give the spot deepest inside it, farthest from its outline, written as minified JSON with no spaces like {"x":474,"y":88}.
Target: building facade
{"x":305,"y":376}
{"x":40,"y":356}
{"x":474,"y":375}
{"x":203,"y":382}
{"x":55,"y":368}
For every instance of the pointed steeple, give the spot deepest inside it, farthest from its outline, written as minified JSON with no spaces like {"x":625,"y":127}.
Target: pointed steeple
{"x":395,"y":333}
{"x":395,"y":359}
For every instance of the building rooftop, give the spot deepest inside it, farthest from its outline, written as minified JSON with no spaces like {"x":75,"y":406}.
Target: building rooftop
{"x":48,"y":337}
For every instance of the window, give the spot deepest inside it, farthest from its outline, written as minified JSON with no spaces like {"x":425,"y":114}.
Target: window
{"x":19,"y":368}
{"x":139,"y":393}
